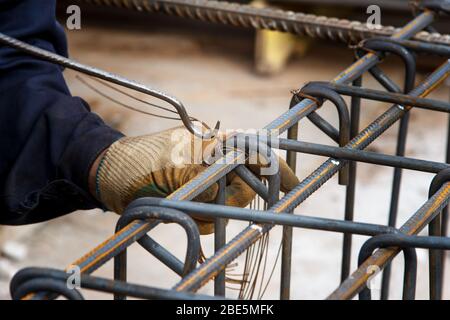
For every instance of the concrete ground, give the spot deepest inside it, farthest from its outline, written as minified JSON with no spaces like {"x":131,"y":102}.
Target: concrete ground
{"x":212,"y":73}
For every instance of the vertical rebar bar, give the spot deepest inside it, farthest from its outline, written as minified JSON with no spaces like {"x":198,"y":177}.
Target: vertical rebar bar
{"x":410,"y":76}
{"x":286,"y":252}
{"x":220,"y":238}
{"x":445,"y":213}
{"x":351,"y":187}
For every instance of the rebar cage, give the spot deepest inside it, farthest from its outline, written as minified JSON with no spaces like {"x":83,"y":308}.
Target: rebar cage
{"x":372,"y":46}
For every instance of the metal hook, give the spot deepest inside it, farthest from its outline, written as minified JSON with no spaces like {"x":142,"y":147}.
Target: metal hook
{"x":98,"y":73}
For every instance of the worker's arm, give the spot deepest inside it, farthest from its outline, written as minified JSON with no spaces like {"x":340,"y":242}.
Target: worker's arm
{"x":48,"y":138}
{"x":57,"y":156}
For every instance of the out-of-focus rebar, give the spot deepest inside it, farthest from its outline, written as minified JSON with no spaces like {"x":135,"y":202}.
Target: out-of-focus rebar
{"x":248,"y":16}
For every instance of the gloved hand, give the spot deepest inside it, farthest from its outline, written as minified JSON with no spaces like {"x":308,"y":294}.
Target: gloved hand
{"x":156,"y":165}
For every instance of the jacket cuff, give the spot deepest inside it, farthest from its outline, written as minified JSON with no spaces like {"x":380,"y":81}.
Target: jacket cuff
{"x":91,"y":138}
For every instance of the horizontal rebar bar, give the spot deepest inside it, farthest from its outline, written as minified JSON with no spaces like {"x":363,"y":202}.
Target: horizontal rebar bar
{"x":268,"y":217}
{"x":103,"y":285}
{"x":362,"y":156}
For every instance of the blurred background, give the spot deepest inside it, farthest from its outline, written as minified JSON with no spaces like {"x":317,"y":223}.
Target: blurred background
{"x":244,"y":79}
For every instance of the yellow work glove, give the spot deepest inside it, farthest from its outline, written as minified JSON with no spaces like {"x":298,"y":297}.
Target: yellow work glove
{"x":156,"y":165}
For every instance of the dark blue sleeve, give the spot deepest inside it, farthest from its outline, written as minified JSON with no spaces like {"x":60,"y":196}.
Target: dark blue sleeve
{"x":48,"y":139}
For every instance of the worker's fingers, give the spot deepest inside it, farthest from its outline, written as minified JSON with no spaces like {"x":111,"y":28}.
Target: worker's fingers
{"x":164,"y":182}
{"x":209,"y":194}
{"x":238,"y":193}
{"x":205,"y":225}
{"x":205,"y":228}
{"x":288,"y":178}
